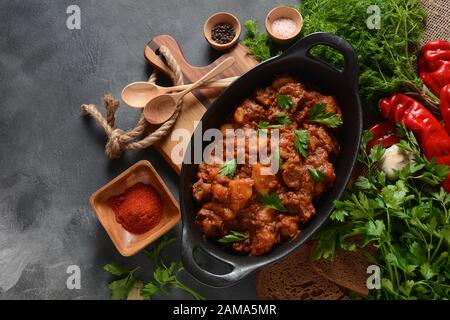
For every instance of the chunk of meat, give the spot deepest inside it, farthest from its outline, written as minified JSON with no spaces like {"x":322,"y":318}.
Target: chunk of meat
{"x":320,"y":138}
{"x":266,"y":97}
{"x":299,"y":203}
{"x":221,"y":193}
{"x":264,"y":182}
{"x":221,"y":210}
{"x":243,"y":246}
{"x":248,"y":111}
{"x":240,"y":192}
{"x":211,"y":224}
{"x":294,"y":173}
{"x":208,"y":172}
{"x":201,"y":191}
{"x":314,"y":97}
{"x":319,"y":160}
{"x":295,"y":91}
{"x":263,"y":215}
{"x":263,"y":240}
{"x":288,"y":226}
{"x":286,"y":143}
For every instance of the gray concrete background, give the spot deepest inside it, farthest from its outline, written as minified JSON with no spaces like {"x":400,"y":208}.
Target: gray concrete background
{"x":52,"y":158}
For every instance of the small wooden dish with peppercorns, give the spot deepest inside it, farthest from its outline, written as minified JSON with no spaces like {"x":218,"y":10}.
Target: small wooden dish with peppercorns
{"x":222,"y":30}
{"x":121,"y":206}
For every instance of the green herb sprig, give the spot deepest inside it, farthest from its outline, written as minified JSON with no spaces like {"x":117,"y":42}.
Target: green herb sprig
{"x":165,"y":277}
{"x":283,"y":119}
{"x":272,"y":201}
{"x":258,"y":42}
{"x":285,"y":102}
{"x":316,"y":175}
{"x":233,"y":236}
{"x":228,"y":168}
{"x":301,"y":142}
{"x":407,"y":220}
{"x":267,"y":125}
{"x":318,"y":114}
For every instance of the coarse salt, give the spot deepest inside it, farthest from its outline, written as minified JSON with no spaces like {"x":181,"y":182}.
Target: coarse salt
{"x":284,"y":28}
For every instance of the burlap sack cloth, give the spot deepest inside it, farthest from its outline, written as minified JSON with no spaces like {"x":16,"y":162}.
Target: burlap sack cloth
{"x":299,"y":276}
{"x":438,"y":20}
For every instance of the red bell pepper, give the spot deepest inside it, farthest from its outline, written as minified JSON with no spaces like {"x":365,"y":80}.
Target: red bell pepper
{"x":434,"y":65}
{"x":383,"y":133}
{"x":445,"y":106}
{"x":432,"y":137}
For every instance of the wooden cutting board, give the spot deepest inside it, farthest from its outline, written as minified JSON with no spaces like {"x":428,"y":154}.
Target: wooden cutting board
{"x":196,"y":103}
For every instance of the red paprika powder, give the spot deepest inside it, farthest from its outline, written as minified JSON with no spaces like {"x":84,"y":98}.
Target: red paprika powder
{"x":139,"y":209}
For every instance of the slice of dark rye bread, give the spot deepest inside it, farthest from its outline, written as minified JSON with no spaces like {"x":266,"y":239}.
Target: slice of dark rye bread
{"x":293,"y":278}
{"x":348,"y":269}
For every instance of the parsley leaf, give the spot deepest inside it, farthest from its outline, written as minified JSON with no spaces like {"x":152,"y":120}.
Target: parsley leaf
{"x":272,"y":201}
{"x":285,"y":102}
{"x":233,"y":236}
{"x":121,"y":288}
{"x":301,"y":142}
{"x":316,"y":175}
{"x":318,"y":115}
{"x":228,"y":168}
{"x":115,"y":269}
{"x":155,"y":254}
{"x":165,"y":278}
{"x":267,"y":125}
{"x":283,"y":119}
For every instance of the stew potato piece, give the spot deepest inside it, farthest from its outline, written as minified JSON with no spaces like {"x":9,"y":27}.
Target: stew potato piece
{"x":240,"y":192}
{"x":264,"y":183}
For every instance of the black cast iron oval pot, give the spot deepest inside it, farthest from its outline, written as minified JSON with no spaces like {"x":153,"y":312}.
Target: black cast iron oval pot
{"x":297,"y":61}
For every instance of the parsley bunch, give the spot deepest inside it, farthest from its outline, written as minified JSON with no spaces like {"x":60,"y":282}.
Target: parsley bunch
{"x":407,"y":221}
{"x":165,"y":277}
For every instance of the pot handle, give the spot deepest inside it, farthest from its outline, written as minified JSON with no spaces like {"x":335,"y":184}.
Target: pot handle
{"x":207,"y":277}
{"x":303,"y":47}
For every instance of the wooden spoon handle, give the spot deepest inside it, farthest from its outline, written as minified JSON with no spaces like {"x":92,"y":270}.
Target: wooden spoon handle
{"x":222,"y":83}
{"x":228,"y":62}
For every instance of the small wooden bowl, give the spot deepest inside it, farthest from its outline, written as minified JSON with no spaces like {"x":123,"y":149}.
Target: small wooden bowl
{"x":217,"y":18}
{"x":127,"y":243}
{"x":284,"y":12}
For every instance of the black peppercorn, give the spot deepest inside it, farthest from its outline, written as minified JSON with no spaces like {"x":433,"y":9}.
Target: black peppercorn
{"x":223,"y":33}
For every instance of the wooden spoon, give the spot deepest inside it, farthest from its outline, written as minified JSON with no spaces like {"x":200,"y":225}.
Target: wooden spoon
{"x":161,"y":108}
{"x":138,"y":94}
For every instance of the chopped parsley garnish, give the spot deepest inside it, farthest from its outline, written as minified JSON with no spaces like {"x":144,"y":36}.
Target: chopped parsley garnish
{"x":318,"y":115}
{"x":272,"y":201}
{"x":228,"y":168}
{"x":233,"y":236}
{"x":283,"y":119}
{"x":266,"y":125}
{"x":285,"y":102}
{"x":316,"y":175}
{"x":301,"y":142}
